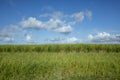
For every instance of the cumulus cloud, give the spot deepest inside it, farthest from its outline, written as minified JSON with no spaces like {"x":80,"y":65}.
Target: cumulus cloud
{"x":4,"y":34}
{"x":64,"y":29}
{"x":29,"y":38}
{"x":104,"y":37}
{"x":8,"y":39}
{"x":13,"y":27}
{"x":89,"y":14}
{"x":58,"y":26}
{"x":100,"y":36}
{"x":8,"y":32}
{"x":53,"y":24}
{"x":31,"y":22}
{"x":56,"y":21}
{"x":90,"y":36}
{"x":79,"y":17}
{"x":58,"y":15}
{"x":72,"y":40}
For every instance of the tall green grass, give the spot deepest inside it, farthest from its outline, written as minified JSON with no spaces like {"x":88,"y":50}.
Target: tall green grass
{"x":23,"y":62}
{"x":106,"y":48}
{"x":52,"y":66}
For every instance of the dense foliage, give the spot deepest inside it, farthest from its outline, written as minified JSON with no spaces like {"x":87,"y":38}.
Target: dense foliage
{"x":62,"y":48}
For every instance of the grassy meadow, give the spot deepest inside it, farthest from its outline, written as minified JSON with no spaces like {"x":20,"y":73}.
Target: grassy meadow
{"x":60,"y":62}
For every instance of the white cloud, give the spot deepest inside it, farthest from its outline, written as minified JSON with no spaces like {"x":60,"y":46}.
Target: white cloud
{"x":4,"y":34}
{"x":90,"y":36}
{"x":31,"y":22}
{"x":8,"y":31}
{"x":56,"y":21}
{"x":28,"y":38}
{"x":8,"y":39}
{"x":79,"y":17}
{"x":58,"y":15}
{"x":53,"y":24}
{"x":58,"y":26}
{"x":64,"y":29}
{"x":89,"y":14}
{"x":54,"y":15}
{"x":71,"y":18}
{"x":13,"y":27}
{"x":104,"y":37}
{"x":72,"y":40}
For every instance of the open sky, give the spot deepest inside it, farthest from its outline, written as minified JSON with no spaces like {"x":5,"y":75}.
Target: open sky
{"x":59,"y":21}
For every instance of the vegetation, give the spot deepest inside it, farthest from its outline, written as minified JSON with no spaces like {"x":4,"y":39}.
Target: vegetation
{"x":60,"y":62}
{"x":106,"y":48}
{"x":52,"y":66}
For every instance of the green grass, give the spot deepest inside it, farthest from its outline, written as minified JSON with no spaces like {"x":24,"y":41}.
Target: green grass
{"x":58,"y":48}
{"x":59,"y":66}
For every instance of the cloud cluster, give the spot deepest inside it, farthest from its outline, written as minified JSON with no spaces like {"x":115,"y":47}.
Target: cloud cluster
{"x":55,"y":25}
{"x":56,"y":21}
{"x":8,"y":39}
{"x":104,"y":37}
{"x":7,"y":34}
{"x":31,"y":22}
{"x":8,"y":31}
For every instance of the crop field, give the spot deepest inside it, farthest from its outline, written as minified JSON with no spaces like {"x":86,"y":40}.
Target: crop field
{"x":60,"y":62}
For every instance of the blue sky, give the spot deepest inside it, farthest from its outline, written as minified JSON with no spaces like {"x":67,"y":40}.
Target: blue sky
{"x":59,"y":21}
